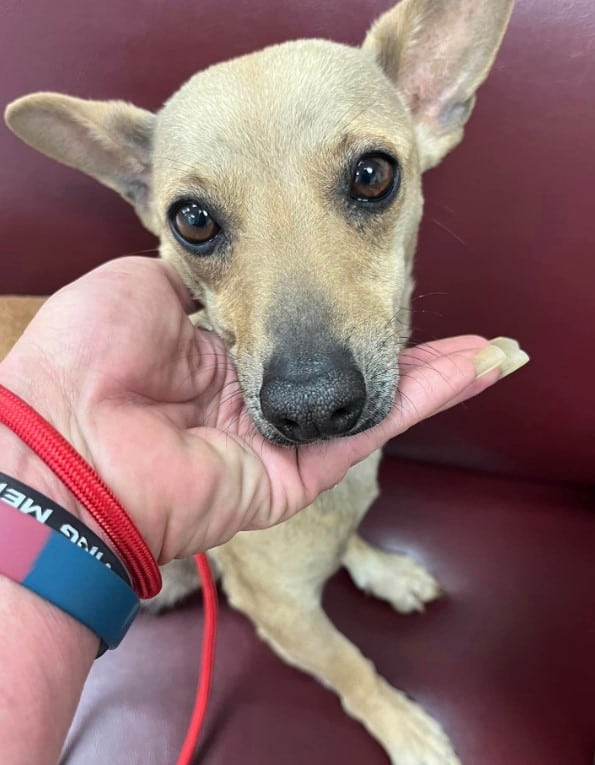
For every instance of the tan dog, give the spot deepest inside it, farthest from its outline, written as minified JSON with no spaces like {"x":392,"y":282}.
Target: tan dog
{"x":285,"y":187}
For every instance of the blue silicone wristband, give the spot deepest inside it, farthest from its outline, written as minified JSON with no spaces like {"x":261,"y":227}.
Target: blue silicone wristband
{"x":48,"y":564}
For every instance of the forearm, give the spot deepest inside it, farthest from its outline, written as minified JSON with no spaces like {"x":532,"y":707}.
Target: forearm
{"x":45,"y":655}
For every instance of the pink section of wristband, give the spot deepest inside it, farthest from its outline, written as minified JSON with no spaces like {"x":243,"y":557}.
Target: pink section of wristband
{"x":21,"y":541}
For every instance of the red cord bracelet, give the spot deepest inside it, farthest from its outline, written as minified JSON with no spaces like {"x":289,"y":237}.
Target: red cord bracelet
{"x":87,"y":487}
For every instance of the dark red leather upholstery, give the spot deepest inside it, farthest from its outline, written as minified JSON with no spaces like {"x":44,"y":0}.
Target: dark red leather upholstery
{"x":504,"y":661}
{"x":507,"y":247}
{"x":508,"y":241}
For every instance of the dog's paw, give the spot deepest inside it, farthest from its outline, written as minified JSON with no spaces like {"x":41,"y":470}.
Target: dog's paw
{"x":417,"y":738}
{"x":433,"y":749}
{"x":394,"y":577}
{"x":413,"y":586}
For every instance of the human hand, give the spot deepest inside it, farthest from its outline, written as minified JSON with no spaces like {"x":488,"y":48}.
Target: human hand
{"x":114,"y":364}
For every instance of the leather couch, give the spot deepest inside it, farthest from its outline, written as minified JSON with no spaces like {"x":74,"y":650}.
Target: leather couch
{"x":496,"y":496}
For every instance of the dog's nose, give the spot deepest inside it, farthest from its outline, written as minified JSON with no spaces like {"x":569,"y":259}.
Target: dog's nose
{"x":310,"y":398}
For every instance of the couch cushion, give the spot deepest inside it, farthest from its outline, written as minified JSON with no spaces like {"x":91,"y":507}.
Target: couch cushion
{"x":504,"y":660}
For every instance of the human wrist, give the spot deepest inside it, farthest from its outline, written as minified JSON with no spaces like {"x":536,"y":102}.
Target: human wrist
{"x":18,"y":460}
{"x":54,"y":653}
{"x":47,"y":627}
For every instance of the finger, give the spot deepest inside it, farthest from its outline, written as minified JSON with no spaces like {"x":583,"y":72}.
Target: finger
{"x":515,"y":358}
{"x":186,"y":299}
{"x":430,"y":382}
{"x":134,"y":266}
{"x":175,"y":280}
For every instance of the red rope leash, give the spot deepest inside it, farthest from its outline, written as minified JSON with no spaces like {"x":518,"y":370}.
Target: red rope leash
{"x":207,"y":660}
{"x":87,"y":487}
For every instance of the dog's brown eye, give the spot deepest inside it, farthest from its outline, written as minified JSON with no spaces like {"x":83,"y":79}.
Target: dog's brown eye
{"x":375,"y":177}
{"x":192,"y":223}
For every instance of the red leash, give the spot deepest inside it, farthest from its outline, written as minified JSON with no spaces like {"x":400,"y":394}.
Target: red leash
{"x":108,"y":513}
{"x":207,"y":659}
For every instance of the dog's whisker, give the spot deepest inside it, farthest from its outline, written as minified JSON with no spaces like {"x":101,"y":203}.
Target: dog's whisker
{"x":227,"y":401}
{"x":404,"y":397}
{"x":449,"y":231}
{"x":173,"y":161}
{"x":424,"y":295}
{"x":151,"y":250}
{"x":234,"y":397}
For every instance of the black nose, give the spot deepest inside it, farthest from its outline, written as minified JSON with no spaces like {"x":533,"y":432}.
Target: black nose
{"x":310,"y":398}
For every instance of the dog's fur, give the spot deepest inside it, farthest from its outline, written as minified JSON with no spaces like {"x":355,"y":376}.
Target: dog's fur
{"x":265,"y":141}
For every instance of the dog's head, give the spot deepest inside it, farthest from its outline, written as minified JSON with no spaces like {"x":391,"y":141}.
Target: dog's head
{"x":285,"y":187}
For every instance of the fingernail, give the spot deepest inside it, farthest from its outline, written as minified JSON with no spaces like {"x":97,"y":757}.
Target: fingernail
{"x":488,"y":359}
{"x":515,"y":356}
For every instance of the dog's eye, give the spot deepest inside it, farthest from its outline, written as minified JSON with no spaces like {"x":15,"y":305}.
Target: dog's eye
{"x":375,"y":177}
{"x":192,"y":223}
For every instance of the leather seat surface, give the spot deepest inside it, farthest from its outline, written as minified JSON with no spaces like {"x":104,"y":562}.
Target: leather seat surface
{"x":504,"y":660}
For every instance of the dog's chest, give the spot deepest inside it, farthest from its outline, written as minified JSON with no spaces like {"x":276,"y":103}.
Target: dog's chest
{"x":311,"y":545}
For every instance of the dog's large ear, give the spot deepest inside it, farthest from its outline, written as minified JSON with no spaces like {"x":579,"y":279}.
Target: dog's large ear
{"x":109,"y":140}
{"x":438,"y":52}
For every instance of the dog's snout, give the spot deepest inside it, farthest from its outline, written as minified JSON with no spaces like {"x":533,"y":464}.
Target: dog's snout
{"x":312,"y":398}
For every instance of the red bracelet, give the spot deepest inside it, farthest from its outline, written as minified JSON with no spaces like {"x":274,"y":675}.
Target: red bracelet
{"x":87,"y":487}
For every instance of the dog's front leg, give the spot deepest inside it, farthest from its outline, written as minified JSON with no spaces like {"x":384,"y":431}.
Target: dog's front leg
{"x":297,"y":628}
{"x":391,"y":576}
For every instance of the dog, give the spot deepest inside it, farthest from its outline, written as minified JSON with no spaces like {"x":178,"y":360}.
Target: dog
{"x":285,"y":188}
